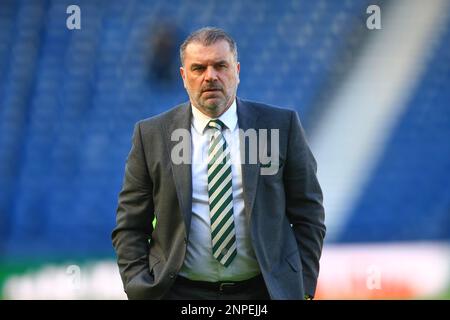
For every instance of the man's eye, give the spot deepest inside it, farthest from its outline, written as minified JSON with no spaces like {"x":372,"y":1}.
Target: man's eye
{"x":198,"y":68}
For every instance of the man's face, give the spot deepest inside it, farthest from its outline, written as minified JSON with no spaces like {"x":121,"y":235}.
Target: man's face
{"x":211,"y":76}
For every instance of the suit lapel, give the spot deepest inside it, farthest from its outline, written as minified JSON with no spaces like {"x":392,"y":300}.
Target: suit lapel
{"x":247,"y":119}
{"x":182,"y":173}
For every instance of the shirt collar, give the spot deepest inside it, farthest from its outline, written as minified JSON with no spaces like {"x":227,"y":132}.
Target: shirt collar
{"x":229,"y":118}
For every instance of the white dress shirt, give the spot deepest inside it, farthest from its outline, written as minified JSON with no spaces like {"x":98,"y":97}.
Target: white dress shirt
{"x":199,"y":263}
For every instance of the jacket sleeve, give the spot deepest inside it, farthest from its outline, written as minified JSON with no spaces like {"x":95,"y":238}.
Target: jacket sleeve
{"x":304,"y":203}
{"x":134,"y":216}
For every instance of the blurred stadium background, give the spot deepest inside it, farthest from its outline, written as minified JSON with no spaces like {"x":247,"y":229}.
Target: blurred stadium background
{"x":374,"y":103}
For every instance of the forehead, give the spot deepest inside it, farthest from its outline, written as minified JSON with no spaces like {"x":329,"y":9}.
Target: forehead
{"x":196,"y":52}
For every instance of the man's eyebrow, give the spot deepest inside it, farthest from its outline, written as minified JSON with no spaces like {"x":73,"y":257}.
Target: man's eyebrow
{"x":221,"y":62}
{"x":197,"y":65}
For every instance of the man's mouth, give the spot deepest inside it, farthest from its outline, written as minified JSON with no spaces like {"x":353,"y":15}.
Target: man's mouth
{"x":212,"y":90}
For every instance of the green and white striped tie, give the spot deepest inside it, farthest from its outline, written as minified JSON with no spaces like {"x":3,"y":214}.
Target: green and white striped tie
{"x":223,"y":235}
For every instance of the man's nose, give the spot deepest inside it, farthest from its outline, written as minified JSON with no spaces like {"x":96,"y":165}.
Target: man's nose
{"x":210,"y":74}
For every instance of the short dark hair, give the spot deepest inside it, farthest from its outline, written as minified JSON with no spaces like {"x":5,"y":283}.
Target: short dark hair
{"x":208,"y":36}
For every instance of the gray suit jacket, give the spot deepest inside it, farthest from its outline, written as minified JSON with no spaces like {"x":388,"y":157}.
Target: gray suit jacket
{"x":284,"y":210}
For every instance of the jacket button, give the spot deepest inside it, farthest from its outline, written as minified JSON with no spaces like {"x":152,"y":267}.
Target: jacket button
{"x":185,"y":240}
{"x":172,"y":275}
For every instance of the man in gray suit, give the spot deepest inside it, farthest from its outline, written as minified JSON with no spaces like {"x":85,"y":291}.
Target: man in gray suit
{"x":226,"y":227}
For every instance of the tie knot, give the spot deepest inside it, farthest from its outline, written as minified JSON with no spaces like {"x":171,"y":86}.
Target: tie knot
{"x":216,"y":124}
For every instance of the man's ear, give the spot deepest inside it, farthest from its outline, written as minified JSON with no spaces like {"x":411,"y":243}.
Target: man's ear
{"x":183,"y":76}
{"x":238,"y":69}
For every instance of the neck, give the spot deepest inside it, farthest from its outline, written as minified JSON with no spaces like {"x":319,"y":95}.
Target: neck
{"x":214,"y":113}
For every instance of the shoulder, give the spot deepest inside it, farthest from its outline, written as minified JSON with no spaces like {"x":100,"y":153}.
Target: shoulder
{"x":268,"y":111}
{"x":156,"y":125}
{"x":165,"y":117}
